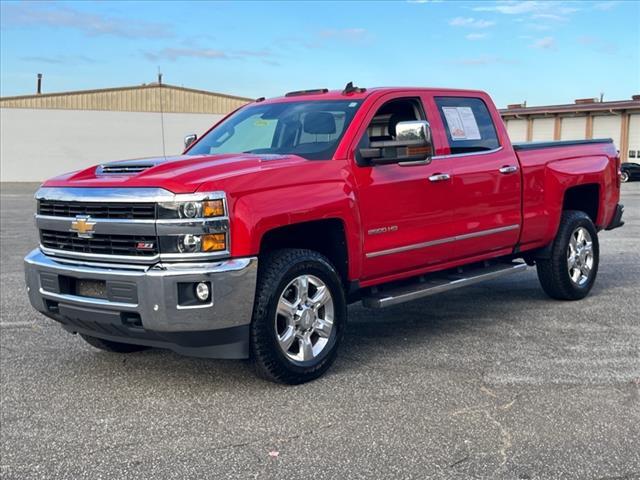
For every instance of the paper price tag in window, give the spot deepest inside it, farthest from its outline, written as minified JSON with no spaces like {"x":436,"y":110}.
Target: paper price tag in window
{"x":462,"y":123}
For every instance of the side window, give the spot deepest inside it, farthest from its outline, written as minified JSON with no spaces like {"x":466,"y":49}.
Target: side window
{"x":468,"y":124}
{"x":383,"y":124}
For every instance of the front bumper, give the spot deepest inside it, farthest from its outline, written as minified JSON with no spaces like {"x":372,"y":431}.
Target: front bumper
{"x":141,"y":303}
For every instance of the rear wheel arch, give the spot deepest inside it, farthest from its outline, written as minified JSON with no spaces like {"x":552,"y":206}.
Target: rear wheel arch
{"x":584,"y":198}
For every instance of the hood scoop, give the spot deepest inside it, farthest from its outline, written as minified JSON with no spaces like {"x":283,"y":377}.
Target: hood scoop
{"x":132,"y":167}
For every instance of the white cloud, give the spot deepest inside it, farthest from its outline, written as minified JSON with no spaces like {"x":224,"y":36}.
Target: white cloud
{"x":545,"y":43}
{"x":528,"y":6}
{"x":538,"y":26}
{"x":470,"y":22}
{"x":604,"y":6}
{"x":482,"y":60}
{"x":475,"y":36}
{"x":173,"y":54}
{"x":549,"y":16}
{"x":61,"y":16}
{"x":345,"y":33}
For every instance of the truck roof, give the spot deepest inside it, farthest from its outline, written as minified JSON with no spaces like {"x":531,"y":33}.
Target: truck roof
{"x":320,"y":94}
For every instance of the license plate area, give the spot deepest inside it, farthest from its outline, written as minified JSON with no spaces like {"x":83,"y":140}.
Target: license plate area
{"x":91,"y":288}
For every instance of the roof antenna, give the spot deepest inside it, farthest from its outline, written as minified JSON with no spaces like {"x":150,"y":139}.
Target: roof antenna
{"x":164,"y":152}
{"x":349,"y":88}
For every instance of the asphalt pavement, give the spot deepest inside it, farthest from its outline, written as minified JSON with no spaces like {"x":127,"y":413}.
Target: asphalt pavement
{"x":492,"y":381}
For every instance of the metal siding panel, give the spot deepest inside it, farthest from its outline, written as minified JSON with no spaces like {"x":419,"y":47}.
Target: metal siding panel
{"x":634,"y":134}
{"x":542,"y":129}
{"x":607,"y":126}
{"x":573,"y":128}
{"x":517,"y":130}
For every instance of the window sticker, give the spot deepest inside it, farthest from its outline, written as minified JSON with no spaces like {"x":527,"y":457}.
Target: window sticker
{"x":462,"y":123}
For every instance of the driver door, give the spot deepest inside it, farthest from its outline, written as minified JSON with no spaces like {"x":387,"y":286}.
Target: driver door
{"x":405,"y":216}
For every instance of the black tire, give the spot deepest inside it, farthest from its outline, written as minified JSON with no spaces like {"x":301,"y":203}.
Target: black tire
{"x":110,"y":346}
{"x":553,"y":272}
{"x":276,"y":272}
{"x":624,"y":177}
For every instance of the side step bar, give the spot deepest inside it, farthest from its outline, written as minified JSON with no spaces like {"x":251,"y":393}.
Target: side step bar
{"x":438,"y":283}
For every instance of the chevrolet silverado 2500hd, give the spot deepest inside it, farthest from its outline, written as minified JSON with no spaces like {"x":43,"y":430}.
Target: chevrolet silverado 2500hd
{"x":252,"y":243}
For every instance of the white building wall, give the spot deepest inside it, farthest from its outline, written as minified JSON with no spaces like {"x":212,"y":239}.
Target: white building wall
{"x":542,"y":129}
{"x":608,"y":126}
{"x":634,"y":137}
{"x":517,"y":130}
{"x":39,"y":144}
{"x":573,"y":128}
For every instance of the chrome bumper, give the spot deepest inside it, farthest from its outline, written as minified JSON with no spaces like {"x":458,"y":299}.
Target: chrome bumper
{"x":147,"y":293}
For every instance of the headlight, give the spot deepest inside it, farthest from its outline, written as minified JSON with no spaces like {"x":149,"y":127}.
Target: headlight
{"x":194,"y":226}
{"x":194,"y":209}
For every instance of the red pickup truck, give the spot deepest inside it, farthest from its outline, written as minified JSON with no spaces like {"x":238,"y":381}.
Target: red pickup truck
{"x":252,"y":243}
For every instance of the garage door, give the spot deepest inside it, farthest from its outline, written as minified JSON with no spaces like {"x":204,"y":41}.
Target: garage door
{"x":517,"y":130}
{"x":607,"y":126}
{"x":543,"y":129}
{"x":573,"y":128}
{"x":634,"y":137}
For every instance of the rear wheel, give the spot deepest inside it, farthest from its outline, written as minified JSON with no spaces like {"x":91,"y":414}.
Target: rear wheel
{"x":299,"y":316}
{"x":570,"y":271}
{"x":110,"y":346}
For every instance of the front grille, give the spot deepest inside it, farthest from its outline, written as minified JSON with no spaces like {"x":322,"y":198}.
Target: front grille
{"x":99,"y":244}
{"x":97,"y":210}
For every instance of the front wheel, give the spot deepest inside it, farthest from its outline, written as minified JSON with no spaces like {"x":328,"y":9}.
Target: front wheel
{"x":299,"y":316}
{"x":570,"y":271}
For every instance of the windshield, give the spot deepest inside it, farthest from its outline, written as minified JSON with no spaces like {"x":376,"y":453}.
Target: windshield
{"x":309,"y":129}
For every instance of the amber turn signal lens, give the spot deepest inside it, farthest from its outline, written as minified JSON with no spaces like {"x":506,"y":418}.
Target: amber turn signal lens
{"x":213,"y":208}
{"x":214,"y":242}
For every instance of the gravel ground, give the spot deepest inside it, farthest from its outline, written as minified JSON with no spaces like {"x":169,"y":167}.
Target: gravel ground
{"x":492,"y":381}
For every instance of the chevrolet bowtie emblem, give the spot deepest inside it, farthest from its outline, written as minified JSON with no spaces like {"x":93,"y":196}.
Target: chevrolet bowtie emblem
{"x":83,"y":226}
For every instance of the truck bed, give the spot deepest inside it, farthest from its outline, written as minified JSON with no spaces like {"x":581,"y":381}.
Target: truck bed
{"x":558,"y":143}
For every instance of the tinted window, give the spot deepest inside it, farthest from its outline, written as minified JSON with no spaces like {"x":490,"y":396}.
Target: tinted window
{"x":309,"y":129}
{"x":468,"y":124}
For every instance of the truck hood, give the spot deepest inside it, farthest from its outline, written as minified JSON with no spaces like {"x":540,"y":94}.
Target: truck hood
{"x":179,"y":174}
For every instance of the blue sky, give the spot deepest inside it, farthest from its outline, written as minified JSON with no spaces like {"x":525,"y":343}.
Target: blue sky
{"x":540,"y":51}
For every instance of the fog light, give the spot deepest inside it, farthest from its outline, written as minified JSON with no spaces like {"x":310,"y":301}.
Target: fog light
{"x":203,"y":291}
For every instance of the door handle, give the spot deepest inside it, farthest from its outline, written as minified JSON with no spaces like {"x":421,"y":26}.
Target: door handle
{"x":508,"y":169}
{"x":439,"y":177}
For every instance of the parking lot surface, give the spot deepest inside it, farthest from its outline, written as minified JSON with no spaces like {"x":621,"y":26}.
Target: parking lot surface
{"x":491,"y":381}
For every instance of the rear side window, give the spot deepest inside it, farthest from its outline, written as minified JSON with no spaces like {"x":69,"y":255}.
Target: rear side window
{"x":468,"y":124}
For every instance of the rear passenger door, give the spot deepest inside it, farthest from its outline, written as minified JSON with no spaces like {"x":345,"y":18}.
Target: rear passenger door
{"x":485,"y":179}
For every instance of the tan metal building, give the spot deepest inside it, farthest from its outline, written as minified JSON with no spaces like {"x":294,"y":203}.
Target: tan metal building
{"x":584,"y":119}
{"x":48,"y":134}
{"x":152,"y":97}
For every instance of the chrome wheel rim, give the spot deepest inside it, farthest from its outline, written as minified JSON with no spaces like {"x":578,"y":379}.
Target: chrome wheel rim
{"x":580,"y":256}
{"x":624,"y":176}
{"x":304,"y":318}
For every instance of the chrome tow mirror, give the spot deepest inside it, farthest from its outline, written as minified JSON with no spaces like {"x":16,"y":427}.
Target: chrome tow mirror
{"x":189,"y":139}
{"x":412,"y":145}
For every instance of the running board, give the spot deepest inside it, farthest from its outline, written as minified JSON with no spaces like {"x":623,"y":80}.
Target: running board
{"x":438,"y":283}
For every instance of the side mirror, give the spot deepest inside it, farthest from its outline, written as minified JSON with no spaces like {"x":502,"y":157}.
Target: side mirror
{"x":412,"y":144}
{"x":189,"y":139}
